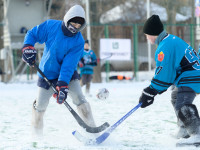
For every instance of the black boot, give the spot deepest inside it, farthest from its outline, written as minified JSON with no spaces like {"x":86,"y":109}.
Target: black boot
{"x":190,"y":118}
{"x":182,"y":132}
{"x":189,"y":115}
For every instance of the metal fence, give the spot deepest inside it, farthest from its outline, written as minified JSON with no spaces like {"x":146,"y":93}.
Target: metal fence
{"x":139,"y":54}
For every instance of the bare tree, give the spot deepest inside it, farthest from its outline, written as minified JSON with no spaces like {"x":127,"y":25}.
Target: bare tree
{"x":172,"y":7}
{"x":1,"y":30}
{"x":97,"y":8}
{"x":58,"y":9}
{"x":1,"y":23}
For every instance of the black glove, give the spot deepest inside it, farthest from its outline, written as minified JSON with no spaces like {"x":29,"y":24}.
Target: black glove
{"x":147,"y":97}
{"x":62,"y":89}
{"x":29,"y":55}
{"x":81,"y":63}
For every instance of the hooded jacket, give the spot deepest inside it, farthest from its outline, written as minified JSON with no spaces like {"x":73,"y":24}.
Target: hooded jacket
{"x":75,"y":11}
{"x":61,"y":53}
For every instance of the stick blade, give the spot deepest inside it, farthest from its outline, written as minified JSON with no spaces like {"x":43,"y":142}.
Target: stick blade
{"x":97,"y":129}
{"x":88,"y":141}
{"x":83,"y":139}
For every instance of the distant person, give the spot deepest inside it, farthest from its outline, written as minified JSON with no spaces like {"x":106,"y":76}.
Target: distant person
{"x":1,"y":72}
{"x":179,"y":64}
{"x":120,"y":77}
{"x":23,"y":30}
{"x":86,"y":64}
{"x":64,"y":46}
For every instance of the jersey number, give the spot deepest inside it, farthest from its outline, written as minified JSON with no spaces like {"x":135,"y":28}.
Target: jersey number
{"x":192,"y":57}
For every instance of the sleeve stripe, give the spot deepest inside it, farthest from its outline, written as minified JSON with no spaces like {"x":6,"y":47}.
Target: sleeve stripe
{"x":191,"y":78}
{"x":161,"y":83}
{"x":186,"y":80}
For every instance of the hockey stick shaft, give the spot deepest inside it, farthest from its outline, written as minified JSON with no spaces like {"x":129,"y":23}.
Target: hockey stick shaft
{"x":105,"y":135}
{"x":76,"y":116}
{"x":100,"y":59}
{"x":107,"y":57}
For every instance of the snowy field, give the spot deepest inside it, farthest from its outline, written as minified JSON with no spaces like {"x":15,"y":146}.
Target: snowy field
{"x":151,"y":128}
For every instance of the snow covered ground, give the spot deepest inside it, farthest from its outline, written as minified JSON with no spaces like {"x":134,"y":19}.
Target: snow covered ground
{"x":151,"y":128}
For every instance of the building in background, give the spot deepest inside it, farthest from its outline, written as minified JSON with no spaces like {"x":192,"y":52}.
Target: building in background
{"x":127,"y":13}
{"x":18,"y":17}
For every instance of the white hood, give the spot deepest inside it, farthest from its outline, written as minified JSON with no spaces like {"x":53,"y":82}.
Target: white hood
{"x":75,"y":11}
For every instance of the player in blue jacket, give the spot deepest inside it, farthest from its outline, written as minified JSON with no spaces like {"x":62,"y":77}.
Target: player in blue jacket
{"x":63,"y":49}
{"x":86,"y":64}
{"x":177,"y":63}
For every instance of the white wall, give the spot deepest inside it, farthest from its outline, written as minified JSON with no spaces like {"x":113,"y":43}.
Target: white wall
{"x":20,"y":15}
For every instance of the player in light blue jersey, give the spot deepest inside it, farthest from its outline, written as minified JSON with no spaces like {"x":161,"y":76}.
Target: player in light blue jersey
{"x":86,"y":64}
{"x":178,"y":64}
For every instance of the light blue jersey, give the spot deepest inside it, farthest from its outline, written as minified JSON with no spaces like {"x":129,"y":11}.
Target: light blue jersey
{"x":90,"y":60}
{"x":61,"y":53}
{"x":176,"y":63}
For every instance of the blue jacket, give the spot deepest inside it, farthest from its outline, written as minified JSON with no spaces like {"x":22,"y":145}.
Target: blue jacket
{"x":61,"y":53}
{"x":176,"y":63}
{"x":90,"y":60}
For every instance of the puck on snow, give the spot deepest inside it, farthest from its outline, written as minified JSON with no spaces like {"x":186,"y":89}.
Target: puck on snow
{"x":102,"y":94}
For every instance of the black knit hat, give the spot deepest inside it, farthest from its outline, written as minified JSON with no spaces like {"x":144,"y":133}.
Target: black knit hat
{"x":153,"y":26}
{"x":77,"y":20}
{"x":87,"y":41}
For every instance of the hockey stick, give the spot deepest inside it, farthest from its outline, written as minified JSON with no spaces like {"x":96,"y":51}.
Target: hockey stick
{"x":105,"y":135}
{"x":107,"y":56}
{"x":76,"y":116}
{"x":100,"y":59}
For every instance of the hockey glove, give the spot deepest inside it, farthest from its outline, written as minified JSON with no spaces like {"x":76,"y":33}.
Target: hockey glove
{"x":80,"y":64}
{"x":147,"y":97}
{"x":62,"y":89}
{"x":29,"y":55}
